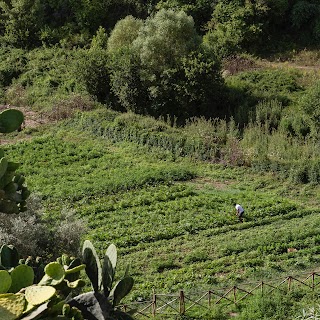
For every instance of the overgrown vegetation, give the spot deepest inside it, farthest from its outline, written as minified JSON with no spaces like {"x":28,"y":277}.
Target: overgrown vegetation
{"x":169,"y":112}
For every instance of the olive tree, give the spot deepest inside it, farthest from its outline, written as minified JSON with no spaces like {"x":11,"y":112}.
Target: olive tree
{"x":165,"y":71}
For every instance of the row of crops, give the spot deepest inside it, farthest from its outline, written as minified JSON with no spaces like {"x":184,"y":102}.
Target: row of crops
{"x":173,"y":218}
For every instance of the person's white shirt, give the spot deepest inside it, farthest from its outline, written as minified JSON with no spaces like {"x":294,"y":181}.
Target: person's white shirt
{"x":239,"y":208}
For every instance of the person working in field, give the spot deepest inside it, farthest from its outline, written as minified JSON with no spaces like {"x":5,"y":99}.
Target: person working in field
{"x":240,"y":211}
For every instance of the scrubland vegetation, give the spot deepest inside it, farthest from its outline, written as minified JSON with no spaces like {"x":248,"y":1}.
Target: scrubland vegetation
{"x":159,"y":117}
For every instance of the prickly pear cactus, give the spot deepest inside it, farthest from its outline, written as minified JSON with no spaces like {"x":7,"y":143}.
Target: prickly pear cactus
{"x":109,"y":268}
{"x":121,"y":289}
{"x":12,"y":306}
{"x":5,"y":281}
{"x":93,"y":265}
{"x":13,"y":192}
{"x":102,"y":302}
{"x":22,"y":276}
{"x":37,"y":295}
{"x":9,"y":257}
{"x":10,"y":120}
{"x":54,"y":274}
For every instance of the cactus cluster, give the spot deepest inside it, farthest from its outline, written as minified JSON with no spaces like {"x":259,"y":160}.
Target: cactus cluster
{"x":104,"y":299}
{"x":64,"y":274}
{"x":13,"y":276}
{"x":13,"y":192}
{"x":21,"y":299}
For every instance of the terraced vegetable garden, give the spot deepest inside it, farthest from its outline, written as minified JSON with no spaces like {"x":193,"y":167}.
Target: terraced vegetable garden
{"x":172,"y":218}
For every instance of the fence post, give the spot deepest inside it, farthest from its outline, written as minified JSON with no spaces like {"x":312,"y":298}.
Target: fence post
{"x":289,"y":283}
{"x":312,"y":281}
{"x":262,"y":288}
{"x":235,"y":294}
{"x":154,"y":303}
{"x":209,"y":298}
{"x":182,"y":307}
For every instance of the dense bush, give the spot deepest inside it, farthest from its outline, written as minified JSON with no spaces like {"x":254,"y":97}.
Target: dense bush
{"x":164,"y":71}
{"x":200,"y":10}
{"x":91,"y":73}
{"x":235,"y":26}
{"x":310,"y":104}
{"x":32,"y":234}
{"x":124,"y":33}
{"x":11,"y":65}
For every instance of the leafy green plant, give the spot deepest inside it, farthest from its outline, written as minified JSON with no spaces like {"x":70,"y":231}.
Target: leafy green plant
{"x":102,"y":302}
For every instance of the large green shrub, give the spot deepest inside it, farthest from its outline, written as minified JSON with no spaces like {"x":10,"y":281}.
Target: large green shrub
{"x":310,"y":104}
{"x":199,"y":10}
{"x":164,"y":40}
{"x":12,"y":65}
{"x":92,"y":74}
{"x":165,"y":71}
{"x":235,"y":26}
{"x":124,"y":33}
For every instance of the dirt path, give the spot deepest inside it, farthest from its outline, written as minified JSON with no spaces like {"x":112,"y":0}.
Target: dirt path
{"x":291,"y":65}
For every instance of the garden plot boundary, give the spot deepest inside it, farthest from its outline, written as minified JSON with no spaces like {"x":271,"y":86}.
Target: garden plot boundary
{"x":182,"y":302}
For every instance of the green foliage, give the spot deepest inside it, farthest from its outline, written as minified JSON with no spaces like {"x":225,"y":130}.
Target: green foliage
{"x":124,"y":33}
{"x":164,"y":72}
{"x":275,"y":306}
{"x":200,"y":10}
{"x":129,"y":90}
{"x":12,"y":66}
{"x":92,"y":74}
{"x":21,"y":21}
{"x":235,"y":26}
{"x":309,"y":103}
{"x":100,"y":39}
{"x":296,"y":124}
{"x":269,"y":112}
{"x":164,"y":40}
{"x":305,"y":18}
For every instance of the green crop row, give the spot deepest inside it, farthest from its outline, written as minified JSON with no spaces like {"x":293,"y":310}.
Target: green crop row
{"x":173,"y":219}
{"x":58,"y":167}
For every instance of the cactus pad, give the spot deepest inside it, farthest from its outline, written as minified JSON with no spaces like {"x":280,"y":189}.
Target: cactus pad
{"x":109,"y":268}
{"x":36,"y":295}
{"x":5,"y":281}
{"x":93,"y":265}
{"x":122,"y":288}
{"x":3,"y":166}
{"x":54,"y":273}
{"x":9,"y":256}
{"x":22,"y":276}
{"x":11,"y":306}
{"x":10,"y":120}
